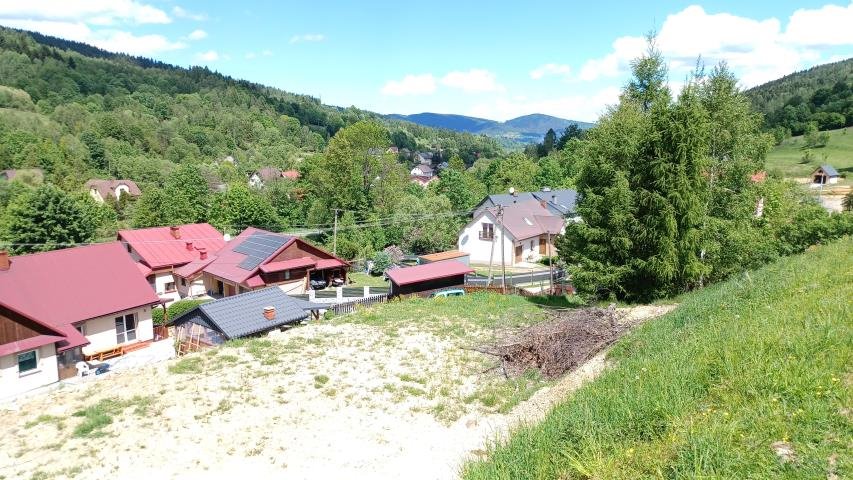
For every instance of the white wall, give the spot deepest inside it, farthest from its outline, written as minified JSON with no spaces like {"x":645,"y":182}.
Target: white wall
{"x":479,"y":250}
{"x":101,"y":331}
{"x":296,"y":287}
{"x":192,"y":288}
{"x":13,"y":383}
{"x":160,"y":281}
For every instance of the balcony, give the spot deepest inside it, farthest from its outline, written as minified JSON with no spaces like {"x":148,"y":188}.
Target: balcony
{"x":489,"y":236}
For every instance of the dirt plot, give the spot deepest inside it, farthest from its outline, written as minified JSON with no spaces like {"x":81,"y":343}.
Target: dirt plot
{"x":369,"y":396}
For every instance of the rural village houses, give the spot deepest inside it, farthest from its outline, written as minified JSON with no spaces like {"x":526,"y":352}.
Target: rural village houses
{"x":531,"y":221}
{"x":160,"y":251}
{"x":262,"y":176}
{"x":56,"y":307}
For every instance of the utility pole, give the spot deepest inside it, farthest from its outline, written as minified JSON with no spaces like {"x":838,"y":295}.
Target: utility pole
{"x":491,"y":258}
{"x":550,"y":267}
{"x":335,"y":238}
{"x":503,"y":261}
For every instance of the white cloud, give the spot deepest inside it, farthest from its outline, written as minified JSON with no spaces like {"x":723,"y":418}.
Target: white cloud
{"x":410,"y":85}
{"x":474,"y":80}
{"x":829,"y":25}
{"x":254,"y":55}
{"x":108,"y":39}
{"x":96,"y":12}
{"x":251,"y":55}
{"x":758,"y":50}
{"x":550,"y":69}
{"x":198,"y":35}
{"x":307,"y":37}
{"x":183,"y":13}
{"x":208,"y":56}
{"x":575,"y":107}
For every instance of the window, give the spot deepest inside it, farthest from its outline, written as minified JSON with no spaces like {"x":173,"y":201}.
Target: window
{"x":28,"y":361}
{"x":170,"y":286}
{"x":287,"y":274}
{"x":126,"y":328}
{"x":488,"y":232}
{"x":81,"y":328}
{"x":183,"y":282}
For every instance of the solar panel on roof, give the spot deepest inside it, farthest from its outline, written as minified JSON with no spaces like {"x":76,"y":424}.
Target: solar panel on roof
{"x":258,"y":247}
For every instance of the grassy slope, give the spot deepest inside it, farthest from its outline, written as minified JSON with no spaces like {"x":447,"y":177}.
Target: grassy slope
{"x":787,"y":158}
{"x":706,"y":390}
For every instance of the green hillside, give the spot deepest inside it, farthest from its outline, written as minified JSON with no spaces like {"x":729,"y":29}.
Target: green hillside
{"x":715,"y":389}
{"x":788,"y":159}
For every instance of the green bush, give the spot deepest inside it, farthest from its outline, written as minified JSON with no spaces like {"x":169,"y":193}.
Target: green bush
{"x":175,"y":309}
{"x":381,"y":262}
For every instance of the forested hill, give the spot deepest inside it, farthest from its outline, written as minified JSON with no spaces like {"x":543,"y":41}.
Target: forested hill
{"x":525,"y":129}
{"x":822,"y":94}
{"x":130,"y":117}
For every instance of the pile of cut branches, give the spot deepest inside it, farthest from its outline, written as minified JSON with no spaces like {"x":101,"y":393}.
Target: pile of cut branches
{"x":561,"y":344}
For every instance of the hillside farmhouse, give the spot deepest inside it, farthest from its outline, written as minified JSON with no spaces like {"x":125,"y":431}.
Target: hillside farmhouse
{"x":101,"y":190}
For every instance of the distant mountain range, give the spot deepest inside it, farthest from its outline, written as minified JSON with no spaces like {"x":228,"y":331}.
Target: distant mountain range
{"x":526,"y":129}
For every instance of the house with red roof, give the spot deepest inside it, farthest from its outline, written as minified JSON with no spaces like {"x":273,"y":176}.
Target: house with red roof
{"x":100,"y":190}
{"x":57,"y":306}
{"x":528,"y":226}
{"x":258,"y":259}
{"x":160,"y":251}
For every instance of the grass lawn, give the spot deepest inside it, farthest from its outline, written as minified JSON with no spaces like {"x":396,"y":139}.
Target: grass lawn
{"x":361,"y":279}
{"x":740,"y":371}
{"x":786,"y":159}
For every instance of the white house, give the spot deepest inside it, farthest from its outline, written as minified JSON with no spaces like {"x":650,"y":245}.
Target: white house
{"x":422,"y":170}
{"x":825,"y":174}
{"x":56,"y":307}
{"x":262,"y":176}
{"x":528,"y":229}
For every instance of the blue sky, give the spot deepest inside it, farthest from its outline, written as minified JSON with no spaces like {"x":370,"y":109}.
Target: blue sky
{"x":491,"y":59}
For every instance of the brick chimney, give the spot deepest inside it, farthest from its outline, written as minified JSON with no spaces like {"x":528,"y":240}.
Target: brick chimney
{"x":175,"y":231}
{"x":189,"y":245}
{"x":202,"y":253}
{"x":5,"y":262}
{"x":269,"y":313}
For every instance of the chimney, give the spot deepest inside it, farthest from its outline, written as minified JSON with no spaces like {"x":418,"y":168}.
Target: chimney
{"x":5,"y":263}
{"x":175,"y":231}
{"x":189,"y":245}
{"x":202,"y":253}
{"x":269,"y":313}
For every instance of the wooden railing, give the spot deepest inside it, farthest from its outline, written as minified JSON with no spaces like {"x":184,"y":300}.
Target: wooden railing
{"x":350,"y":306}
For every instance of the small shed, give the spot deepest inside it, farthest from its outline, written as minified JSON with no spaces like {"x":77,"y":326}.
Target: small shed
{"x":448,"y":256}
{"x":244,"y":315}
{"x":422,"y":279}
{"x":825,"y":174}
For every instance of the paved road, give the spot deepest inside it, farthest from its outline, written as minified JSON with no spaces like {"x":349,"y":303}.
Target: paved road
{"x":512,"y":279}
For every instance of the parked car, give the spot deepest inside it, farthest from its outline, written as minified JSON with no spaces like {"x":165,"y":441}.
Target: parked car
{"x":318,"y":284}
{"x":453,"y":292}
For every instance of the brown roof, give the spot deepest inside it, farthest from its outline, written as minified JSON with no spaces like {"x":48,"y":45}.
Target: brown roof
{"x":529,"y":219}
{"x":435,"y":257}
{"x":269,"y":173}
{"x":426,"y":272}
{"x":107,"y":188}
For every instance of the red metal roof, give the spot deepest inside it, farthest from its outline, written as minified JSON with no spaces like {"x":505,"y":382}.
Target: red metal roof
{"x":255,"y":281}
{"x":67,"y":286}
{"x":325,"y":263}
{"x":226,"y":264}
{"x":158,"y":248}
{"x":29,"y":344}
{"x":191,"y":269}
{"x":288,"y":264}
{"x":427,"y":271}
{"x":291,"y":174}
{"x":143,"y":269}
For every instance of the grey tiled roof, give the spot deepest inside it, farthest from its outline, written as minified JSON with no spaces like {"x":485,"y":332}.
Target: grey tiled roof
{"x":243,"y":315}
{"x":559,"y":202}
{"x":829,"y":170}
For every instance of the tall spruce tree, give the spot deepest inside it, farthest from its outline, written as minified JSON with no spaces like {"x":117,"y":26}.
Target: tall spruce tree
{"x":641,"y":192}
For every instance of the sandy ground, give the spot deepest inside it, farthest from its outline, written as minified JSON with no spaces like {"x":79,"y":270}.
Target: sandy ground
{"x":320,"y":401}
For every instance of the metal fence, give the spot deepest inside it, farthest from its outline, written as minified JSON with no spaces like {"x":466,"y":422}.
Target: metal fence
{"x":350,"y":306}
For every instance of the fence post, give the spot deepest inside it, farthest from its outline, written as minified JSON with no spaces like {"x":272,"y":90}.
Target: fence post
{"x":339,"y":293}
{"x":366,"y":291}
{"x":312,"y":294}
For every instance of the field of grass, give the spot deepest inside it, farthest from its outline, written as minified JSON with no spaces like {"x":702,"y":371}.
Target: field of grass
{"x":750,"y":378}
{"x":786,"y":159}
{"x":361,"y":279}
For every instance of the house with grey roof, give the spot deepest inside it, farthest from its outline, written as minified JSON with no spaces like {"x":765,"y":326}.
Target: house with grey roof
{"x":244,"y":315}
{"x":558,"y":202}
{"x":825,"y":174}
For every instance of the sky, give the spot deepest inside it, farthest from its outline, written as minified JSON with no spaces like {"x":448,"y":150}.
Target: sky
{"x":495,"y":59}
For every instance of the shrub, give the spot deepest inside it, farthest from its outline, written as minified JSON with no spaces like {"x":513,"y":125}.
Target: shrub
{"x":175,"y":309}
{"x":381,"y":262}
